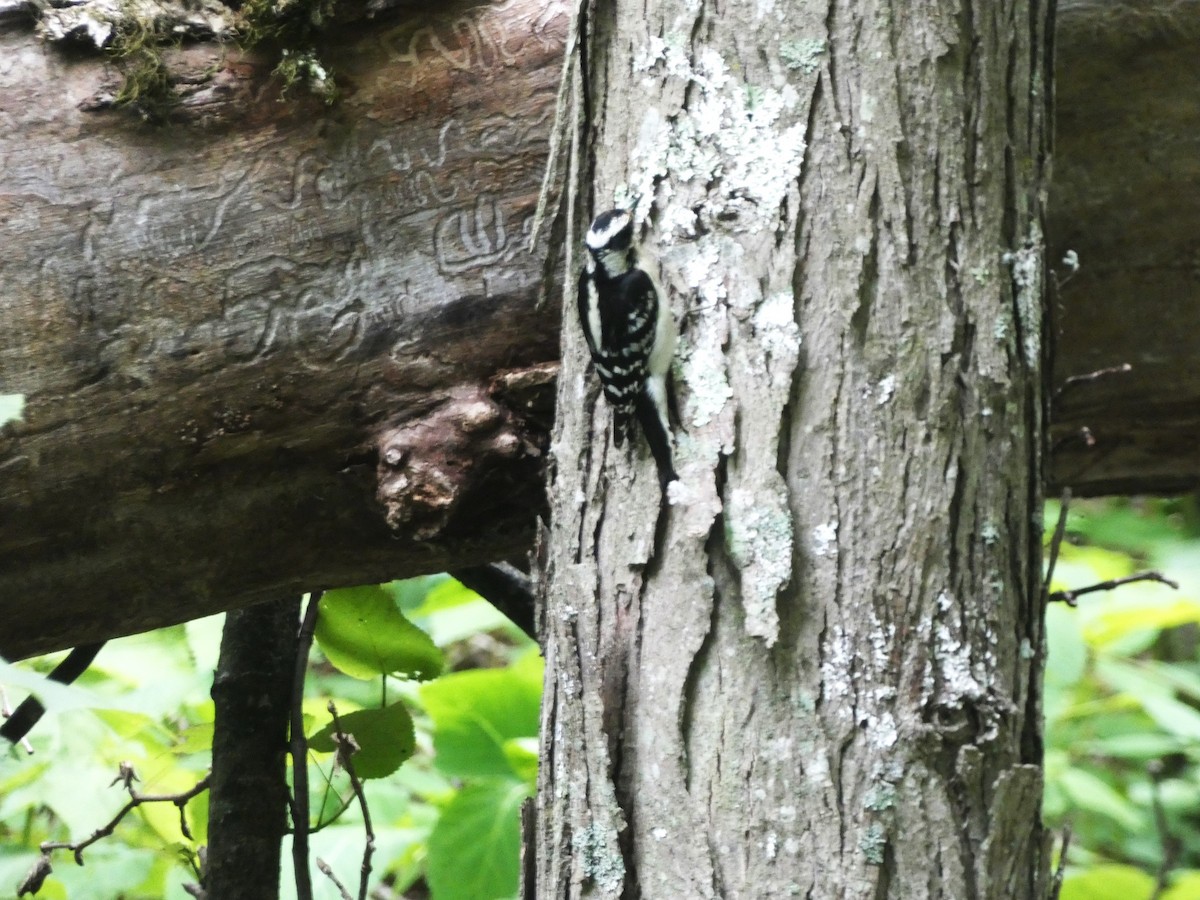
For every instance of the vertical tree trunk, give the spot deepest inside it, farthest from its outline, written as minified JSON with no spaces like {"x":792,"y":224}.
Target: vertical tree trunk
{"x":817,"y":673}
{"x":252,"y":691}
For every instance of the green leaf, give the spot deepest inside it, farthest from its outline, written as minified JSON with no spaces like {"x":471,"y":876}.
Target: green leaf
{"x":409,"y":593}
{"x":475,"y":848}
{"x":1066,"y":655}
{"x":522,"y":756}
{"x":362,"y":633}
{"x":1184,"y":886}
{"x":1151,"y":609}
{"x":385,"y":738}
{"x":475,"y":713}
{"x":1091,"y":794}
{"x":1107,"y":883}
{"x":1140,"y":745}
{"x":452,"y":612}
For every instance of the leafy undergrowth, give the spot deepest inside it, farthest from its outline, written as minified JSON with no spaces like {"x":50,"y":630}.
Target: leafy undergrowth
{"x":447,"y":756}
{"x":1122,"y":703}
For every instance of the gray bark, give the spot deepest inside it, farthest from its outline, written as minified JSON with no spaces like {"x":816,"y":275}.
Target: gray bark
{"x":221,"y":327}
{"x":816,"y":672}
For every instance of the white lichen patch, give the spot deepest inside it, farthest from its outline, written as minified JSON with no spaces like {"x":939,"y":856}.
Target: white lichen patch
{"x":759,"y":537}
{"x":953,"y":654}
{"x":703,"y":369}
{"x":779,"y":336}
{"x":732,"y":134}
{"x":595,"y":847}
{"x":804,"y":55}
{"x":97,"y":21}
{"x":885,"y":390}
{"x":824,"y":538}
{"x":873,"y":843}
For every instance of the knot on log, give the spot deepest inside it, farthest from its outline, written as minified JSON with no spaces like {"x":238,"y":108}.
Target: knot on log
{"x":459,"y":455}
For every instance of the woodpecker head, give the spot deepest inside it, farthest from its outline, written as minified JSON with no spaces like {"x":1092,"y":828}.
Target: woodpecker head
{"x":610,"y":242}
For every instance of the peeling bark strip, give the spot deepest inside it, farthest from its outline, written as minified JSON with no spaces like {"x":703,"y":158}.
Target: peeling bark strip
{"x":210,"y":326}
{"x":819,"y":676}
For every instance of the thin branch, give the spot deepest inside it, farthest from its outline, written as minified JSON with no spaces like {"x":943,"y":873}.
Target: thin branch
{"x":505,"y":587}
{"x":1075,"y":381}
{"x":1060,"y":532}
{"x":327,"y":871}
{"x":1170,"y":843}
{"x":5,"y":712}
{"x":1057,"y":882}
{"x":30,"y":710}
{"x":346,"y":748}
{"x":298,"y":748}
{"x":1084,"y":434}
{"x":135,"y":800}
{"x":1069,"y":597}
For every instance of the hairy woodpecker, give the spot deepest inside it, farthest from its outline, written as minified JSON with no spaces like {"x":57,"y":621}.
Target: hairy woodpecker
{"x":630,"y":334}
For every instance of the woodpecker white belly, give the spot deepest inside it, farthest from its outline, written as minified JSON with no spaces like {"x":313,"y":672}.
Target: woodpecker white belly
{"x":630,"y":333}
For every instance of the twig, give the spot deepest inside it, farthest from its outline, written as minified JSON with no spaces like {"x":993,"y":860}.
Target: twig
{"x":1076,"y":380}
{"x":1060,"y":531}
{"x":1069,"y":597}
{"x":1083,"y":434}
{"x":1170,"y":843}
{"x":127,"y":777}
{"x":1057,"y":882}
{"x":298,"y":748}
{"x":347,"y":747}
{"x":505,"y":587}
{"x":30,"y":710}
{"x":327,"y":871}
{"x":5,"y":712}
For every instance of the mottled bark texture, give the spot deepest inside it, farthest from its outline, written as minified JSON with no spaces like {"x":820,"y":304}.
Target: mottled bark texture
{"x":252,"y":694}
{"x":252,"y":339}
{"x":224,"y":329}
{"x":816,"y":674}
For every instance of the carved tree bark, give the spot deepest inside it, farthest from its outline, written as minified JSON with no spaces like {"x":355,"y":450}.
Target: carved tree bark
{"x":232,"y":333}
{"x":815,"y":673}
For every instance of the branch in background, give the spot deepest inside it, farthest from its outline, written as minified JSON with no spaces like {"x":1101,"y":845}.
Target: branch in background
{"x":1075,"y":381}
{"x":327,"y":870}
{"x":505,"y":587}
{"x":1171,"y":845}
{"x":1060,"y":532}
{"x":299,"y":751}
{"x":33,"y":881}
{"x":1069,"y":597}
{"x":346,"y":748}
{"x":30,"y":710}
{"x":1057,"y":882}
{"x":252,"y":694}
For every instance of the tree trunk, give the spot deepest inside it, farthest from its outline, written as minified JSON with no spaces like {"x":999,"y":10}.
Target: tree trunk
{"x":252,"y":692}
{"x":816,"y":673}
{"x":250,"y":341}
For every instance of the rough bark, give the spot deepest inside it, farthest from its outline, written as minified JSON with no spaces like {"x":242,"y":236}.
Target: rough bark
{"x":232,"y":333}
{"x":217,"y":325}
{"x":252,"y":693}
{"x":816,"y":673}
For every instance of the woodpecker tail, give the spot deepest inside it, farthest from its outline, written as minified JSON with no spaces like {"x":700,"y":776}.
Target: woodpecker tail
{"x":654,"y":426}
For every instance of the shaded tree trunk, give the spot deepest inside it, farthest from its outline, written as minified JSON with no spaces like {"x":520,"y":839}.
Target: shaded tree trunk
{"x":816,"y":673}
{"x":252,"y":693}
